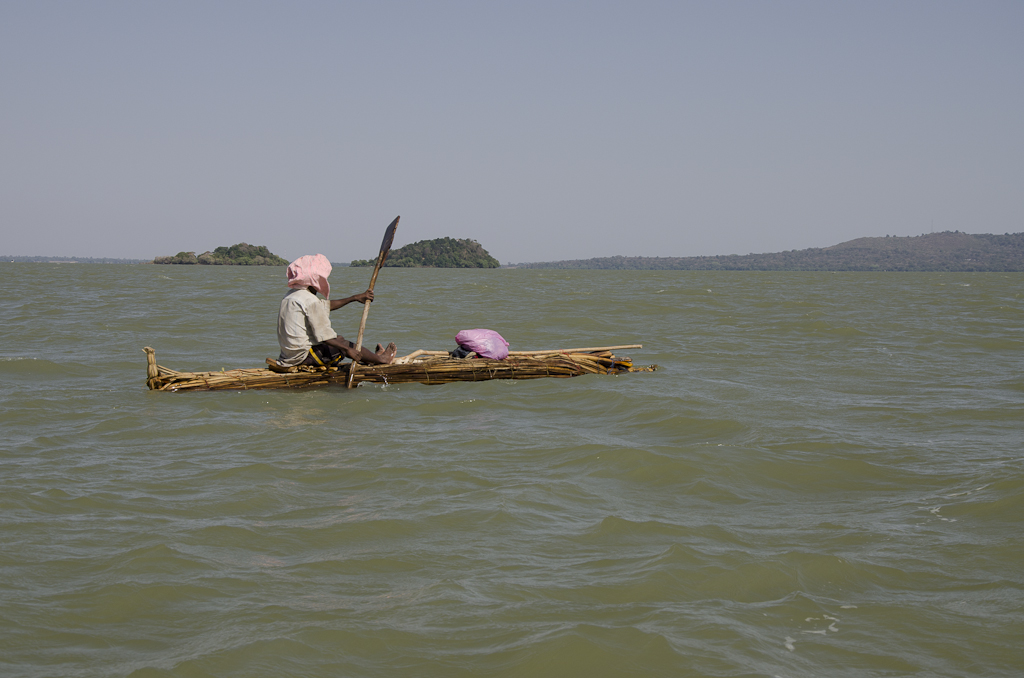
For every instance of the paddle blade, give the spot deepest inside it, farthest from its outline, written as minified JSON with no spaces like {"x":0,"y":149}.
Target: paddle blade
{"x":389,"y":237}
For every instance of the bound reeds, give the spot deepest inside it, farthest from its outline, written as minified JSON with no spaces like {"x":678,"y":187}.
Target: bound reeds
{"x":424,"y":367}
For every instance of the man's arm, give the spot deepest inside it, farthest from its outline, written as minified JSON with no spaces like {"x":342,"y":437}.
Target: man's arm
{"x":361,"y":297}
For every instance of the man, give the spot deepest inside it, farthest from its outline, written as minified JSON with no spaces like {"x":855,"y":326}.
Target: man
{"x":304,"y":323}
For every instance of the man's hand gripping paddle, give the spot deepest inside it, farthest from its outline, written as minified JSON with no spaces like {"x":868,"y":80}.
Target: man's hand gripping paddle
{"x":385,"y":247}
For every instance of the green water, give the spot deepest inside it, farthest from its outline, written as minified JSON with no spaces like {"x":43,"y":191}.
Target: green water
{"x":825,"y":478}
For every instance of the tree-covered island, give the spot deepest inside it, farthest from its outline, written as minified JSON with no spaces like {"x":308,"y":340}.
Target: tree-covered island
{"x":242,"y":254}
{"x":437,"y":253}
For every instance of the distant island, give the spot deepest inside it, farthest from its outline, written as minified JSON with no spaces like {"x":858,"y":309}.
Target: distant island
{"x":437,"y":253}
{"x":947,"y":251}
{"x":242,"y":254}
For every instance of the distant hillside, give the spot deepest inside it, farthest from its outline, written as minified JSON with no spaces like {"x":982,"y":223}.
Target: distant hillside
{"x":948,"y":251}
{"x":437,"y":253}
{"x":242,"y":254}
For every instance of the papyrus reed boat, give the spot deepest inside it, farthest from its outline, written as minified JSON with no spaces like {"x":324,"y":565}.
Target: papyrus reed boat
{"x":422,"y":367}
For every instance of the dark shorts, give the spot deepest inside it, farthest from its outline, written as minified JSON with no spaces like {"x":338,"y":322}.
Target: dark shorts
{"x":324,"y":355}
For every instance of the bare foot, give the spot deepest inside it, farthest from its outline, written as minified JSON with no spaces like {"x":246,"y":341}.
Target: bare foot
{"x":379,"y":349}
{"x":387,"y":356}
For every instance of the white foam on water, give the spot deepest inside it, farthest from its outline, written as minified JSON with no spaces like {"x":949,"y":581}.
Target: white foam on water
{"x":831,"y":627}
{"x":965,"y":492}
{"x":789,"y":643}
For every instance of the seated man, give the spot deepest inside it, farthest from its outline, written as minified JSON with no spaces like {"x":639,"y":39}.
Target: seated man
{"x":304,"y":323}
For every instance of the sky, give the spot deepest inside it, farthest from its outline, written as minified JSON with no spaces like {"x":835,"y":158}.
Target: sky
{"x":543,"y":130}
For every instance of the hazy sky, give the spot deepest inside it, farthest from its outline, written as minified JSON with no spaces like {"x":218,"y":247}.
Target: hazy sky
{"x":544,"y":130}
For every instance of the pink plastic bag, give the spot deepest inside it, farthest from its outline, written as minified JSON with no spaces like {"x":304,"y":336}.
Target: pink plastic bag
{"x":486,"y":343}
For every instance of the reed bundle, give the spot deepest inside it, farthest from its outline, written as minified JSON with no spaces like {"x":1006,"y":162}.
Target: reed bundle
{"x":423,"y":367}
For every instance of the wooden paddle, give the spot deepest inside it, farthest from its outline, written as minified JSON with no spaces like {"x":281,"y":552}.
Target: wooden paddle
{"x":385,"y":247}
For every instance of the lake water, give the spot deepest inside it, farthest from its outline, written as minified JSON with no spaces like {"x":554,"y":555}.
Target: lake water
{"x":826,"y":477}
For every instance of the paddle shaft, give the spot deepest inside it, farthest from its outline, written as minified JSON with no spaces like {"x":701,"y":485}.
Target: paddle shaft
{"x":366,"y":304}
{"x":385,"y":247}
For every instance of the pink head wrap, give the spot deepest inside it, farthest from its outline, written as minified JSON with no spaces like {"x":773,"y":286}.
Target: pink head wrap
{"x":310,"y":271}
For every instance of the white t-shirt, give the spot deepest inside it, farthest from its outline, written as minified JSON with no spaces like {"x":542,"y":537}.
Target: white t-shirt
{"x":304,"y":320}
